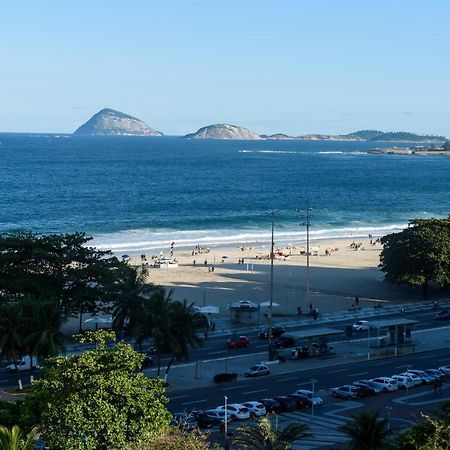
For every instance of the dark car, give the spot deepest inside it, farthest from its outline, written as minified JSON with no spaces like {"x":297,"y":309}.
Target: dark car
{"x":184,"y":420}
{"x":443,"y":315}
{"x":284,"y":342}
{"x":286,"y":403}
{"x":204,"y":420}
{"x":300,"y":401}
{"x":240,"y":342}
{"x":272,"y":405}
{"x":276,"y":332}
{"x":365,"y":391}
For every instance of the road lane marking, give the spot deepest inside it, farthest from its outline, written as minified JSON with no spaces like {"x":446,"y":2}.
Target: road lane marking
{"x":217,"y":353}
{"x":261,"y":346}
{"x":193,"y":403}
{"x":179,"y":396}
{"x":255,"y":392}
{"x":288,"y":379}
{"x":336,"y":371}
{"x":443,"y":360}
{"x":233,"y":388}
{"x":357,"y":374}
{"x":423,"y":357}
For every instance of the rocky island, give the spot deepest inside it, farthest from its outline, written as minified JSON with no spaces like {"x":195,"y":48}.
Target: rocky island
{"x":109,"y":122}
{"x":223,"y":131}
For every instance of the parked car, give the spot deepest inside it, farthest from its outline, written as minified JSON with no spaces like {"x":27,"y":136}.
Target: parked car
{"x":417,"y":380}
{"x":389,"y":385}
{"x":346,"y":392}
{"x":205,"y":420}
{"x":445,"y":369}
{"x":240,"y":342}
{"x":376,"y":387}
{"x":310,"y":397}
{"x":276,"y":332}
{"x":286,"y":403}
{"x":256,"y":409}
{"x":300,"y":401}
{"x":237,"y":411}
{"x":284,"y":342}
{"x":443,"y":315}
{"x":362,"y":325}
{"x":184,"y":420}
{"x":272,"y":406}
{"x":404,"y":381}
{"x":219,"y":416}
{"x":436,"y":373}
{"x":257,"y":371}
{"x":365,"y":391}
{"x":425,"y":377}
{"x":25,"y":363}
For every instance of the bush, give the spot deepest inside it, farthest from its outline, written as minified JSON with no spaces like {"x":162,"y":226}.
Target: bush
{"x":224,"y":377}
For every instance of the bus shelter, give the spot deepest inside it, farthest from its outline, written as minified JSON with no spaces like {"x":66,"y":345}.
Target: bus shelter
{"x":312,"y":342}
{"x":396,"y":333}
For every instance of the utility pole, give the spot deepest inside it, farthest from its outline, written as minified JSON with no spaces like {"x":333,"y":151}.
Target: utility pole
{"x":313,"y":381}
{"x":271,"y":294}
{"x":307,"y":254}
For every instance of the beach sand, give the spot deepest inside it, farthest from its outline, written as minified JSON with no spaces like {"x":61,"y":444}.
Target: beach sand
{"x":335,"y":279}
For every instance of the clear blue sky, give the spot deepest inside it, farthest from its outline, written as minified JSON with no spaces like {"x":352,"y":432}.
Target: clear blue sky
{"x":294,"y":66}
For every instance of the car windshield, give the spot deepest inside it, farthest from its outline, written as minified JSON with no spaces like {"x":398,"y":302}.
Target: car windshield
{"x":254,"y":368}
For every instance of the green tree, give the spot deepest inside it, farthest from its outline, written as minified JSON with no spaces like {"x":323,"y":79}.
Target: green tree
{"x":263,"y":436}
{"x":419,"y":254}
{"x":367,"y":431}
{"x":446,"y":146}
{"x":15,"y":439}
{"x":97,"y":399}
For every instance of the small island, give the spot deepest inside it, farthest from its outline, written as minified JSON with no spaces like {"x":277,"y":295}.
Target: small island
{"x":224,"y":131}
{"x":109,"y":122}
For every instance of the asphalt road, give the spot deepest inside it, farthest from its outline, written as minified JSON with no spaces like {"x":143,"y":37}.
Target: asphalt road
{"x":274,"y":385}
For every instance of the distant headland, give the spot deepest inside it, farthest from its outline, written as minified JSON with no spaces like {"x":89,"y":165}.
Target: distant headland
{"x":109,"y":122}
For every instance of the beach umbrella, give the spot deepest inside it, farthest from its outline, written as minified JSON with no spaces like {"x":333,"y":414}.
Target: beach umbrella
{"x":224,"y":257}
{"x":96,"y":319}
{"x":125,"y":257}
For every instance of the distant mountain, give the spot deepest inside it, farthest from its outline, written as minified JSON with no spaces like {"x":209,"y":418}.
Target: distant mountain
{"x":223,"y":131}
{"x":108,"y":122}
{"x":367,"y":136}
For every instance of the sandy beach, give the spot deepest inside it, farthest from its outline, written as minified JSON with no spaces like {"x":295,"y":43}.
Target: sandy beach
{"x":337,"y":274}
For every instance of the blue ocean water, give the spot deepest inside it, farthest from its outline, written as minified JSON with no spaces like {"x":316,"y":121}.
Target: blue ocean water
{"x":140,"y":193}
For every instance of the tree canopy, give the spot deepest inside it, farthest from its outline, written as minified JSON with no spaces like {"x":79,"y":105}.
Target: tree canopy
{"x":97,"y":399}
{"x":419,"y":254}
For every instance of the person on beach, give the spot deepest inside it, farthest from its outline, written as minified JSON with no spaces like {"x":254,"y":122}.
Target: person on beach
{"x":299,"y":311}
{"x":310,"y":306}
{"x":357,"y":301}
{"x":212,"y":269}
{"x":194,"y":262}
{"x":206,"y":262}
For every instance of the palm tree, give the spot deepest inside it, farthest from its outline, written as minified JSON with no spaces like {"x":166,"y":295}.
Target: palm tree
{"x":11,"y":334}
{"x":15,"y":439}
{"x":184,"y":324}
{"x":263,"y":436}
{"x":367,"y":431}
{"x":131,"y":303}
{"x":43,"y":321}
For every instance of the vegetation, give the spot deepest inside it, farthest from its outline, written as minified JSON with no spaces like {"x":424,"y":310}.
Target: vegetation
{"x":367,"y":431}
{"x":15,"y":439}
{"x":446,"y":146}
{"x":419,"y":254}
{"x":98,"y":399}
{"x":263,"y":436}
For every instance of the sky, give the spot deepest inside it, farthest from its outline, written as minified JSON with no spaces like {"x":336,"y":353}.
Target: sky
{"x":289,"y":66}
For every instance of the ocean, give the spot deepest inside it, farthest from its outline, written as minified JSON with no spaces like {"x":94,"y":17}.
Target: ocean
{"x":139,"y":194}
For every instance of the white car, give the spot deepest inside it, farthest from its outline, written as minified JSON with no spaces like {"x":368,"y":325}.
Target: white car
{"x":362,"y":325}
{"x":257,"y":371}
{"x":426,"y":378}
{"x":236,"y":411}
{"x":256,"y":409}
{"x":23,"y":364}
{"x":389,"y":385}
{"x":417,"y":380}
{"x":219,"y":415}
{"x":404,"y":381}
{"x":310,"y":398}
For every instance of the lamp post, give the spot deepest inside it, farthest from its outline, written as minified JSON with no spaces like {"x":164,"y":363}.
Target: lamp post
{"x":307,"y":254}
{"x":389,"y":408}
{"x":313,"y":381}
{"x":407,"y":388}
{"x":271,"y":294}
{"x":226,"y":415}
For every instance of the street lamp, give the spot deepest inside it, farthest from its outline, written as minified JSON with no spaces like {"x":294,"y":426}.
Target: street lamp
{"x":313,"y":381}
{"x":226,"y":415}
{"x":271,"y":295}
{"x":307,"y":223}
{"x":407,"y":388}
{"x":389,"y":408}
